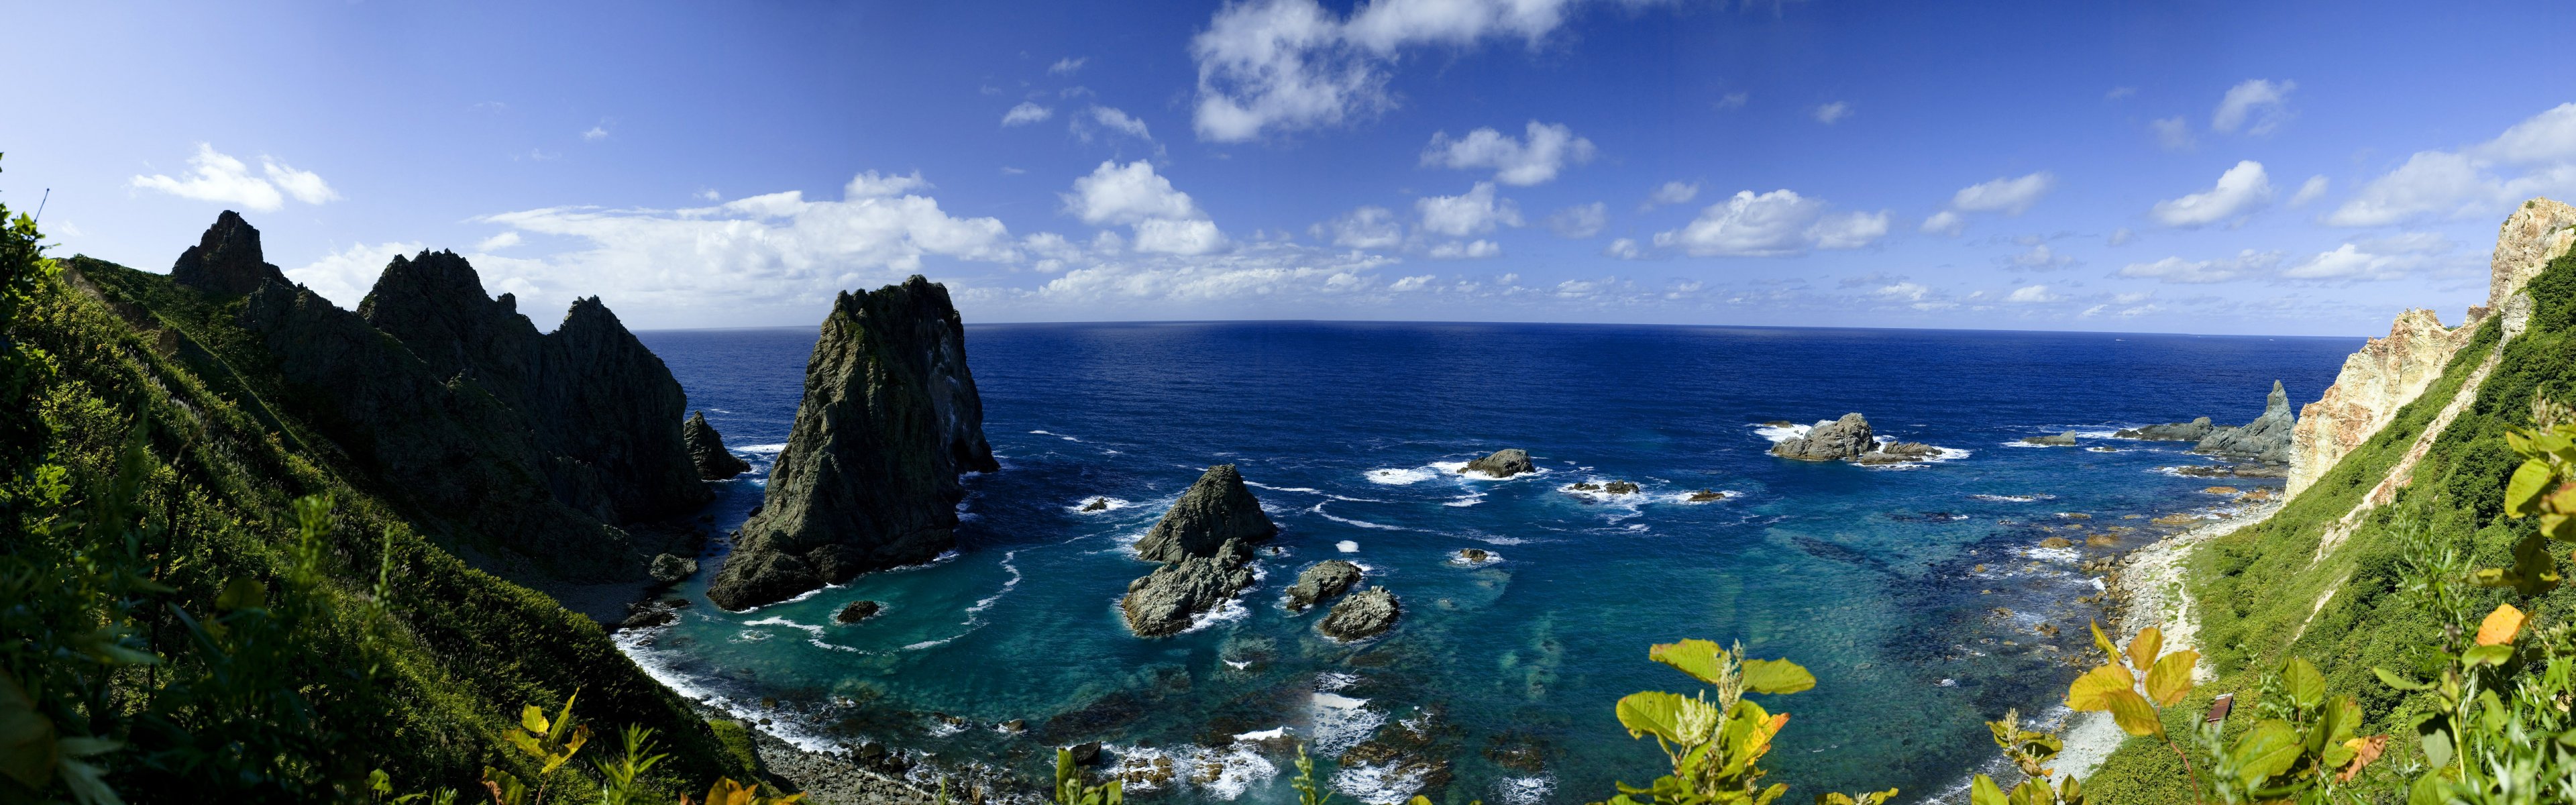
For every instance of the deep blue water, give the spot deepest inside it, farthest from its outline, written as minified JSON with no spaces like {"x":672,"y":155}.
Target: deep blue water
{"x":1869,"y":577}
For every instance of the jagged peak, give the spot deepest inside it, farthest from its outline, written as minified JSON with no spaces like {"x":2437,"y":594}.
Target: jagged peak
{"x":226,"y":259}
{"x":2537,"y":232}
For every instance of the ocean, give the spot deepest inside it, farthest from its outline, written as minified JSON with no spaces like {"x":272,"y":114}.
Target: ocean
{"x":1915,"y":593}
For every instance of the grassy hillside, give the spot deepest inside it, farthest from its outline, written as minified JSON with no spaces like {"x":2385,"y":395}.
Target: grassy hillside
{"x":166,"y":599}
{"x":2263,"y":594}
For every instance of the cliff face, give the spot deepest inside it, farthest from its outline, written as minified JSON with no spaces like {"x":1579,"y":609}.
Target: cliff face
{"x":869,"y":476}
{"x":226,"y":261}
{"x":2387,"y":373}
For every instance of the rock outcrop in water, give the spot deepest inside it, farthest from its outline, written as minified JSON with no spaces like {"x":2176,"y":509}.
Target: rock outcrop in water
{"x":707,"y":450}
{"x":1502,"y":463}
{"x":1217,"y":510}
{"x":1320,"y":582}
{"x":1364,"y":614}
{"x":2266,"y":439}
{"x":2066,"y":439}
{"x":868,"y":479}
{"x":1896,"y":453}
{"x":1848,"y":437}
{"x":226,"y":260}
{"x":2191,"y":431}
{"x":1165,"y":601}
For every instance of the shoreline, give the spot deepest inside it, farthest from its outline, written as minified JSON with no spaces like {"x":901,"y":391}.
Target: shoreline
{"x":2147,"y":590}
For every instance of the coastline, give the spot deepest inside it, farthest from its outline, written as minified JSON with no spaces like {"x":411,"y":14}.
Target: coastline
{"x":2147,"y":590}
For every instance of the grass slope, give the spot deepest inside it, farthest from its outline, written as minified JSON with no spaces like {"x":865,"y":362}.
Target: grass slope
{"x":2257,"y":591}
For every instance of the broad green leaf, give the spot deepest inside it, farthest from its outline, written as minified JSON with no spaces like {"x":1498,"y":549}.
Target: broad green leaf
{"x":2435,"y":740}
{"x":2530,"y":481}
{"x":242,"y":592}
{"x":1984,"y":792}
{"x":2134,"y":715}
{"x":2342,"y":718}
{"x":1776,"y":676}
{"x":2144,"y":648}
{"x":2306,"y":686}
{"x":2170,"y":680}
{"x":2264,"y":751}
{"x":2487,"y":655}
{"x":2398,"y":682}
{"x":1701,"y":659}
{"x":1653,"y":713}
{"x":2087,"y":692}
{"x":533,"y":719}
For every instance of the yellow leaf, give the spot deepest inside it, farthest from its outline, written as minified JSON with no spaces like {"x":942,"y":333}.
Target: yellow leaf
{"x":2103,"y":642}
{"x":2501,"y":626}
{"x":2086,"y":694}
{"x":2170,"y":680}
{"x":534,"y":719}
{"x":1701,"y":659}
{"x":2144,"y":648}
{"x":2134,"y":715}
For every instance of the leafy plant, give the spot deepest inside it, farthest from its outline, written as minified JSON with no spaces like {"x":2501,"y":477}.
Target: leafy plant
{"x":1070,"y":790}
{"x":2030,"y":752}
{"x":2133,"y":685}
{"x":1715,"y":745}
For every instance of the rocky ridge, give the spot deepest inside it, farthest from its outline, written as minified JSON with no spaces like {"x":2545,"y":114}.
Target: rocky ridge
{"x":707,"y":450}
{"x":226,"y":260}
{"x":869,"y":477}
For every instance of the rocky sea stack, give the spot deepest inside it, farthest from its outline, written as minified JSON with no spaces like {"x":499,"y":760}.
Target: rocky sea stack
{"x":868,"y":479}
{"x":2267,"y":439}
{"x":1364,"y":614}
{"x":1845,"y":438}
{"x":707,"y":450}
{"x":1165,"y":601}
{"x":1320,"y":582}
{"x":1502,"y":463}
{"x":1217,"y":510}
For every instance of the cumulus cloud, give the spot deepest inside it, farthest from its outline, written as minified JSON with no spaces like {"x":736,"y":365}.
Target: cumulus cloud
{"x":2262,"y":103}
{"x":218,"y":177}
{"x":2533,"y":157}
{"x":1109,"y":119}
{"x":1833,"y":113}
{"x":2010,"y":196}
{"x":345,"y":276}
{"x":1163,"y":218}
{"x":1067,"y":65}
{"x":2239,"y":192}
{"x":870,"y":184}
{"x":1624,"y":249}
{"x":1259,"y":277}
{"x":1533,"y":159}
{"x":498,"y":242}
{"x":2173,"y":133}
{"x":2379,"y":259}
{"x":1580,"y":221}
{"x":1168,"y":236}
{"x":1779,"y":222}
{"x":2312,"y":189}
{"x":1287,"y":65}
{"x":1363,"y":228}
{"x":2032,"y":294}
{"x":1672,"y":192}
{"x":1908,"y":291}
{"x":1475,"y":212}
{"x":1026,"y":113}
{"x":1456,"y":250}
{"x":595,"y":134}
{"x":2040,"y":258}
{"x":2247,"y":263}
{"x":1945,"y":222}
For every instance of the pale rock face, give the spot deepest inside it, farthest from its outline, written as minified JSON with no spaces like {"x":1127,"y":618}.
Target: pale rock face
{"x":2537,"y":232}
{"x":2385,"y":375}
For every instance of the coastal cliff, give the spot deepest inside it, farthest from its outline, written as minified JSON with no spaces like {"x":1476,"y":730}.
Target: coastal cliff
{"x":869,"y":477}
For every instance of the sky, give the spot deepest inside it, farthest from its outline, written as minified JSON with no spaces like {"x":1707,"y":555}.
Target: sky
{"x":2272,"y":168}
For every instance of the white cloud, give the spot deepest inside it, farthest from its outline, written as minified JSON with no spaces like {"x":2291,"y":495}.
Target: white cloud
{"x":871,"y":185}
{"x":1779,"y":222}
{"x":1117,"y":194}
{"x":345,"y":276}
{"x":1474,"y":213}
{"x":2173,"y":133}
{"x":1113,"y":120}
{"x":217,"y":177}
{"x":1363,"y":228}
{"x":1908,"y":291}
{"x":1733,"y":100}
{"x":2533,"y":157}
{"x":1168,"y":236}
{"x":2383,"y":259}
{"x":1580,"y":221}
{"x":1832,"y":113}
{"x":2032,"y":294}
{"x":1067,"y":66}
{"x":2240,"y":191}
{"x":2262,"y":102}
{"x":1535,"y":159}
{"x":1410,"y":283}
{"x":1672,"y":192}
{"x":1945,"y":222}
{"x":1026,"y":113}
{"x":498,"y":242}
{"x":706,"y":194}
{"x":2118,"y":93}
{"x":1455,"y":250}
{"x":2245,"y":264}
{"x":2120,"y":237}
{"x":1287,"y":65}
{"x":1258,"y":278}
{"x":2040,"y":258}
{"x":595,"y":134}
{"x":1624,"y":249}
{"x":2312,"y":189}
{"x":2010,"y":196}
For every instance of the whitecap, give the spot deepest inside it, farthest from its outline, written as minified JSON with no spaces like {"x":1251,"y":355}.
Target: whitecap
{"x":2013,"y":498}
{"x":1319,"y":509}
{"x":1490,"y":558}
{"x":1401,"y":477}
{"x":1342,"y":722}
{"x":1347,"y":546}
{"x":1464,"y":501}
{"x":987,"y":601}
{"x":1259,"y":485}
{"x":778,"y":621}
{"x":1781,"y":433}
{"x":762,"y":448}
{"x":1263,"y":735}
{"x":1379,"y":785}
{"x":1685,"y":497}
{"x":1113,"y":504}
{"x":1524,"y":790}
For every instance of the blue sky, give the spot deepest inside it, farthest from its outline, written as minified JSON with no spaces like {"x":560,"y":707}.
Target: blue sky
{"x":2194,"y":167}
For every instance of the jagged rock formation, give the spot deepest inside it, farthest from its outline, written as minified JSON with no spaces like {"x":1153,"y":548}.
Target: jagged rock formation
{"x":1163,"y":602}
{"x":869,"y":476}
{"x":2191,"y":431}
{"x":2536,"y":233}
{"x":1367,"y":613}
{"x":1502,"y":463}
{"x":1848,"y":437}
{"x":528,"y":447}
{"x":1323,"y":580}
{"x":2066,"y":439}
{"x":856,"y":611}
{"x":2266,"y":439}
{"x":707,"y":450}
{"x":1217,"y":510}
{"x":1896,"y":453}
{"x":226,"y":260}
{"x":672,"y":568}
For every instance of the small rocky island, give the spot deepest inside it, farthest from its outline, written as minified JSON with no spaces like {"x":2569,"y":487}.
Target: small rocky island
{"x":868,"y":480}
{"x":1205,"y":545}
{"x":2066,"y":439}
{"x":1502,"y":463}
{"x":707,"y":450}
{"x":1850,"y":439}
{"x":2266,"y":443}
{"x":1320,"y":582}
{"x":1361,"y":615}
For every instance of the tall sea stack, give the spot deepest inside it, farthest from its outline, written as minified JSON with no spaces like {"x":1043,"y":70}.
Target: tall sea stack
{"x":869,"y":476}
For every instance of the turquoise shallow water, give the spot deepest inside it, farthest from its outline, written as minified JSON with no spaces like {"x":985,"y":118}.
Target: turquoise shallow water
{"x":1867,"y":576}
